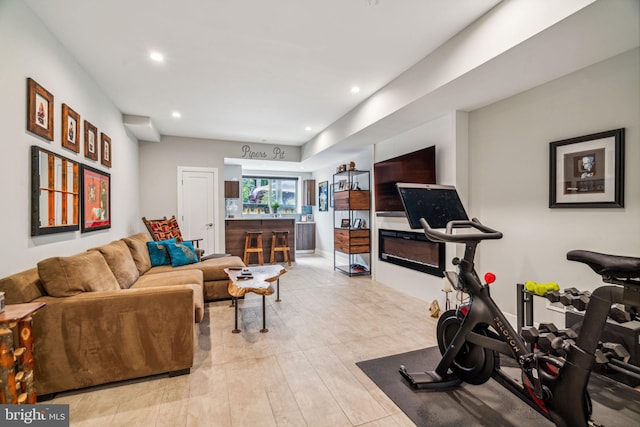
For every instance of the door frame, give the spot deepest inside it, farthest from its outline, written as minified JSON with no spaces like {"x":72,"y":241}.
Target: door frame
{"x":217,"y":227}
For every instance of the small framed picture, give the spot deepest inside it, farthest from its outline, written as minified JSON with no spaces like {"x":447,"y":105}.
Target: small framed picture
{"x":344,"y":223}
{"x":106,"y":150}
{"x":90,"y":141}
{"x":357,"y":223}
{"x":39,"y":110}
{"x":70,"y":129}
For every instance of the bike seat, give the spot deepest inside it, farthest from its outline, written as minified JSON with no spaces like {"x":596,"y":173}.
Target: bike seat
{"x":614,"y":266}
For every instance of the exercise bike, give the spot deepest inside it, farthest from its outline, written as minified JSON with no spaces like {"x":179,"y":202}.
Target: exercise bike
{"x":472,"y":337}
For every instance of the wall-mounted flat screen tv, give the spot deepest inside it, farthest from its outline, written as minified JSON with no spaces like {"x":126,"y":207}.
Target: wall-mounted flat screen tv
{"x":418,"y":167}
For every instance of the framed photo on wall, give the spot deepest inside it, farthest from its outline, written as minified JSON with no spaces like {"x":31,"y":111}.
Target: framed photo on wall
{"x":96,"y":199}
{"x":323,"y":196}
{"x":587,"y":171}
{"x":105,"y":149}
{"x":39,"y":110}
{"x":90,"y":141}
{"x":70,"y":129}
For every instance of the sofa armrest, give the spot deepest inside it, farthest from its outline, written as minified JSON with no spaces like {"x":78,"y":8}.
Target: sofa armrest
{"x":100,"y":337}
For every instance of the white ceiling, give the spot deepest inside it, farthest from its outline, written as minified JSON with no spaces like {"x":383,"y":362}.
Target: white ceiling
{"x":250,"y":70}
{"x":263,"y":70}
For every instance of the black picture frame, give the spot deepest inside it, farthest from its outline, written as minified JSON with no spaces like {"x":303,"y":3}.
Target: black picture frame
{"x":96,"y":199}
{"x":587,"y":171}
{"x":54,"y":193}
{"x":344,"y":223}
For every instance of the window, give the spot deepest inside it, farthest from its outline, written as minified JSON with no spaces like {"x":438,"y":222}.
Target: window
{"x":261,"y":194}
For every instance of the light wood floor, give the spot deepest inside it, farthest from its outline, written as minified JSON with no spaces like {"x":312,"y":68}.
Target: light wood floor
{"x":301,"y":373}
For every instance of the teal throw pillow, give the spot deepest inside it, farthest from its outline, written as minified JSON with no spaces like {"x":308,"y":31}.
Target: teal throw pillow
{"x":158,"y":252}
{"x":182,"y":253}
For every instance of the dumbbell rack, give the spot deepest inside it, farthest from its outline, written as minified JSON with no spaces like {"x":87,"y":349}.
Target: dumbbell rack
{"x":524,"y":314}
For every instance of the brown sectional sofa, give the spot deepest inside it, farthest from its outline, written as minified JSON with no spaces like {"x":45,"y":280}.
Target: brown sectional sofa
{"x":110,"y":316}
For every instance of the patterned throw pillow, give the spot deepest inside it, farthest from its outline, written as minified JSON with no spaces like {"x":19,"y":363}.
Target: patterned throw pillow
{"x":161,"y":229}
{"x":182,"y":253}
{"x":158,"y":252}
{"x":175,"y":229}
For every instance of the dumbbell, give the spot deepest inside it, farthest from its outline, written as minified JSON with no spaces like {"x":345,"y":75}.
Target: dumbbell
{"x":561,"y":346}
{"x":530,"y":334}
{"x":578,"y":300}
{"x":553,"y":296}
{"x":547,"y":327}
{"x":567,"y":334}
{"x":545,"y":340}
{"x":619,"y":313}
{"x":616,"y":351}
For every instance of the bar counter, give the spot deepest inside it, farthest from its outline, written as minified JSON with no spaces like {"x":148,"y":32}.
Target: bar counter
{"x":235,"y":229}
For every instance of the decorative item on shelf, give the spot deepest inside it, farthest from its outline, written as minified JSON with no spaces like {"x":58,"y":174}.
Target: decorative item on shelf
{"x":352,"y":166}
{"x":275,"y":206}
{"x":344,"y":223}
{"x":357,"y":223}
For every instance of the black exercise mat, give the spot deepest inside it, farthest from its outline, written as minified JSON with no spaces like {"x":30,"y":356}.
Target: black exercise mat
{"x":488,"y":404}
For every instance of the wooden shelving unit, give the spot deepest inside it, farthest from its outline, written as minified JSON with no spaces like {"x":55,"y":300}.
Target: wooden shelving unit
{"x":351,"y":222}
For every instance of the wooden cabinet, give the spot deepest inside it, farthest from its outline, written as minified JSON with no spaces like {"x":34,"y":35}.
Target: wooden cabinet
{"x":309,"y":192}
{"x":232,"y":189}
{"x":235,"y":230}
{"x":306,"y":237}
{"x":352,"y":218}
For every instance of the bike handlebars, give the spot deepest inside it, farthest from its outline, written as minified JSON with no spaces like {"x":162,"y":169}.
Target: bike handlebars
{"x":447,"y":236}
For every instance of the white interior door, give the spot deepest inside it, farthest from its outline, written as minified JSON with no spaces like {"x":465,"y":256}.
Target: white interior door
{"x":197,"y":206}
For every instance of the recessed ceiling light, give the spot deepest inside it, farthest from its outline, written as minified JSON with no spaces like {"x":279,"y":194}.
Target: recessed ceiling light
{"x":308,"y":129}
{"x":176,"y":114}
{"x":355,"y":89}
{"x":156,"y":56}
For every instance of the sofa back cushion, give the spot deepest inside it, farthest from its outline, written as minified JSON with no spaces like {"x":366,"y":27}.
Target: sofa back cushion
{"x":68,"y":276}
{"x":138,"y":247}
{"x":22,"y":287}
{"x":120,"y":262}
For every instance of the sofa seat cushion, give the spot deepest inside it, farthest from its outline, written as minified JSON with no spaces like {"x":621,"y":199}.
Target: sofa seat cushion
{"x":191,"y":278}
{"x":120,"y":262}
{"x":68,"y":276}
{"x":212,"y":269}
{"x":22,"y":287}
{"x":138,"y":247}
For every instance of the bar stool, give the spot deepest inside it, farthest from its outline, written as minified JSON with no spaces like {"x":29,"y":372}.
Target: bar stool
{"x":253,"y":244}
{"x":280,"y":243}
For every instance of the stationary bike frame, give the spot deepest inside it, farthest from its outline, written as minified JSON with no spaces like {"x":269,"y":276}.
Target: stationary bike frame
{"x":560,"y":396}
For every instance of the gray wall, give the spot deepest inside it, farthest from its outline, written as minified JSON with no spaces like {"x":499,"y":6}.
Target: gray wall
{"x":509,"y":175}
{"x":27,"y":49}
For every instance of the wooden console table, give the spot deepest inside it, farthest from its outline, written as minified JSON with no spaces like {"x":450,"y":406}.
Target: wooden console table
{"x":17,"y":387}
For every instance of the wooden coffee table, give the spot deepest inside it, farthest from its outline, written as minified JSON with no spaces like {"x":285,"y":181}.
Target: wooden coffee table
{"x":261,"y":283}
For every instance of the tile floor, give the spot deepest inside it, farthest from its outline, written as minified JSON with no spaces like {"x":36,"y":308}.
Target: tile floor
{"x":301,"y":373}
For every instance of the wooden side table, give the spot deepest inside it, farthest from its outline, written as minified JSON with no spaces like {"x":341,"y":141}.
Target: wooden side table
{"x":259,"y":283}
{"x":17,"y":387}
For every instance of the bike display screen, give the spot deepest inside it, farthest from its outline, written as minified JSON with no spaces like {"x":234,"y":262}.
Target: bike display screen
{"x":437,"y":204}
